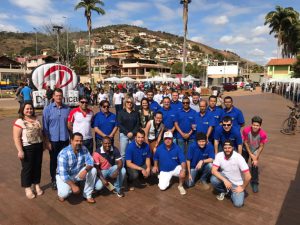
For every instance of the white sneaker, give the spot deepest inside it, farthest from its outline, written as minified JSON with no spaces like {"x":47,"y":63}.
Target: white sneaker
{"x":181,"y":190}
{"x":221,"y":196}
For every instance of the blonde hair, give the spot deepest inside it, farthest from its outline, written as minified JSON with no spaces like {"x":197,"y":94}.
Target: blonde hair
{"x":128,"y":98}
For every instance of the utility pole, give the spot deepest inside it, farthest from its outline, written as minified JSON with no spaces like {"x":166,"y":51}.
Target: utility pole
{"x":57,"y":29}
{"x":185,"y":4}
{"x":67,"y":27}
{"x":36,"y":49}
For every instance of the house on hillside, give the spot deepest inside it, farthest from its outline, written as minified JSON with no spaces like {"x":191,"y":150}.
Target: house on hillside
{"x":281,"y":68}
{"x":10,"y":70}
{"x":38,"y":60}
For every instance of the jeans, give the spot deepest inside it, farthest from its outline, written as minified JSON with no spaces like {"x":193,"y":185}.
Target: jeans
{"x":108,"y":173}
{"x":124,"y":141}
{"x":89,"y":144}
{"x":184,"y":144}
{"x":236,"y":198}
{"x":253,"y":169}
{"x":204,"y":172}
{"x":56,"y":147}
{"x":64,"y":190}
{"x":134,"y":174}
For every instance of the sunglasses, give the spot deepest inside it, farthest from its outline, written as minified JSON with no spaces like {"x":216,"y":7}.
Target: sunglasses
{"x":226,"y":125}
{"x":83,"y":102}
{"x":185,"y":103}
{"x":129,"y":102}
{"x":105,"y":106}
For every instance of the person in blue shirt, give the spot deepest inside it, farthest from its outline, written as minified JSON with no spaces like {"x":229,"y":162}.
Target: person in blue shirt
{"x":185,"y":125}
{"x":75,"y":164}
{"x":55,"y":129}
{"x":169,"y":161}
{"x":26,"y":93}
{"x":205,"y":122}
{"x":104,"y":124}
{"x":235,"y":113}
{"x":137,"y":156}
{"x":213,"y":109}
{"x":154,"y":106}
{"x":169,"y":115}
{"x":227,"y":132}
{"x":175,"y":103}
{"x":199,"y":161}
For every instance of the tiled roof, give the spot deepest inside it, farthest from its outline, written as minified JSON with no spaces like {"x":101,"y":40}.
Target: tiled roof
{"x":281,"y":62}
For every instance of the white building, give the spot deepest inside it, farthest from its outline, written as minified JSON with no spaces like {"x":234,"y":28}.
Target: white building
{"x":223,"y":72}
{"x":108,"y":47}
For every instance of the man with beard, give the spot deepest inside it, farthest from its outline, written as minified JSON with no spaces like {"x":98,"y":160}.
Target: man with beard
{"x":154,"y":106}
{"x":75,"y":164}
{"x":195,"y":102}
{"x":230,"y":175}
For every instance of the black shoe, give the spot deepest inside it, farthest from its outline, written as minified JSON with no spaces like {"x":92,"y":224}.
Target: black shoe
{"x":54,"y":186}
{"x":120,"y":194}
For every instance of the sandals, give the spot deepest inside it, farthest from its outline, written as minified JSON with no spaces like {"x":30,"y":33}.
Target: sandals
{"x":29,"y":193}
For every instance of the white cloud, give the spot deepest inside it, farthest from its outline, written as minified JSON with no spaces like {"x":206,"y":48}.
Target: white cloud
{"x":3,"y":16}
{"x":132,"y":6}
{"x":199,"y":39}
{"x":217,"y":20}
{"x":227,"y":39}
{"x":166,"y":13}
{"x":137,"y":22}
{"x":260,"y":30}
{"x":33,"y":6}
{"x":257,"y":52}
{"x":257,"y":40}
{"x":8,"y":27}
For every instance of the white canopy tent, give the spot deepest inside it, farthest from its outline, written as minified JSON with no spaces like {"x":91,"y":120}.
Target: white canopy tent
{"x":127,"y":79}
{"x":113,"y":79}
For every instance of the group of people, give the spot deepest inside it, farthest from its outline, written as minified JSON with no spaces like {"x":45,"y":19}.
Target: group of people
{"x":186,"y":137}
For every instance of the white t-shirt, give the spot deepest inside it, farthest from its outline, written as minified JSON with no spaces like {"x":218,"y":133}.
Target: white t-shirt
{"x":158,"y":98}
{"x":102,"y":97}
{"x":118,"y":98}
{"x":139,"y":95}
{"x":233,"y":167}
{"x":31,"y":132}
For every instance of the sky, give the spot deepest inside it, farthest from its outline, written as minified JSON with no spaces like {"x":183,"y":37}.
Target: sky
{"x":235,"y":25}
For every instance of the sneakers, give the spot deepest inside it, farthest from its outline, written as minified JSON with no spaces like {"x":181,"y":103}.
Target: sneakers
{"x":181,"y":190}
{"x":221,"y":196}
{"x":254,"y":187}
{"x":120,"y":194}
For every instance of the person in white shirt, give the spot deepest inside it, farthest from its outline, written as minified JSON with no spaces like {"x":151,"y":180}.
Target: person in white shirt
{"x":231,"y":175}
{"x":118,"y":100}
{"x":195,"y":101}
{"x":102,"y":96}
{"x":138,"y":96}
{"x":158,"y":97}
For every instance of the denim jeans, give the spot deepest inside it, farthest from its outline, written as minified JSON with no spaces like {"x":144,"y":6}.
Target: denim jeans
{"x":204,"y":173}
{"x":236,"y":198}
{"x":184,"y":144}
{"x":108,"y":173}
{"x":253,"y":169}
{"x":89,"y":144}
{"x":124,"y":141}
{"x":64,"y":190}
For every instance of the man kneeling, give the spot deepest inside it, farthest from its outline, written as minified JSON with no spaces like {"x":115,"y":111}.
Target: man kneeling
{"x":230,"y":179}
{"x":109,"y":164}
{"x":170,"y":159}
{"x":75,"y":164}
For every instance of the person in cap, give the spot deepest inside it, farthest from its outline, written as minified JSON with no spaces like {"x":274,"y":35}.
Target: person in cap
{"x":231,"y":175}
{"x":200,"y":156}
{"x":169,"y":161}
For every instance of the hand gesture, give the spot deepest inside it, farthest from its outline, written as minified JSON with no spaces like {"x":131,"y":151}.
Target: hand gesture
{"x":199,"y":165}
{"x":82,"y":175}
{"x":228,"y":185}
{"x":75,"y":189}
{"x":155,"y":169}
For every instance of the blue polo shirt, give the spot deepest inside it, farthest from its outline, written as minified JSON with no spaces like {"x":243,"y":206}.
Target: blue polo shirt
{"x":236,"y":115}
{"x":55,"y":122}
{"x":177,"y":106}
{"x":204,"y":122}
{"x":185,"y":119}
{"x":234,"y":135}
{"x":26,"y":93}
{"x":169,"y":159}
{"x":169,"y":116}
{"x":105,"y":123}
{"x":136,"y":154}
{"x":216,"y":113}
{"x":195,"y":153}
{"x":154,"y":106}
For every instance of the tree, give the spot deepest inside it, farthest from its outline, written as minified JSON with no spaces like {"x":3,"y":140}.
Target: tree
{"x":283,"y":23}
{"x":79,"y":64}
{"x":89,"y":6}
{"x":176,"y":68}
{"x":137,"y":40}
{"x":296,"y":67}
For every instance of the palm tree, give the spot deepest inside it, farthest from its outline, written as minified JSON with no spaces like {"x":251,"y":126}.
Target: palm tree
{"x":282,"y":22}
{"x":185,"y":4}
{"x":89,"y":6}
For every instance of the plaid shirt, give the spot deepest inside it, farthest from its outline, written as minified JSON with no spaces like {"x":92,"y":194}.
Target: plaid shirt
{"x":69,"y":164}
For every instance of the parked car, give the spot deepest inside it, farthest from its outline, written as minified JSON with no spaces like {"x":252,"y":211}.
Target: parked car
{"x":240,"y":84}
{"x":249,"y":87}
{"x":229,"y":87}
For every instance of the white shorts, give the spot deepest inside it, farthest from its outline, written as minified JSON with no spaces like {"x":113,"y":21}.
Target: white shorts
{"x":165,"y":177}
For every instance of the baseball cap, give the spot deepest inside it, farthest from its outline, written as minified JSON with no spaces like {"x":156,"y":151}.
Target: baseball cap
{"x":168,"y":134}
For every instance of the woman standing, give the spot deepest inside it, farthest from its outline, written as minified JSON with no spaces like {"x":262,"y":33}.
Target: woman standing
{"x":153,"y":131}
{"x":145,"y":113}
{"x":28,"y":138}
{"x":129,"y":123}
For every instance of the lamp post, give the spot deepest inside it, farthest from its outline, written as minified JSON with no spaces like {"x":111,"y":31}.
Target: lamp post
{"x":185,"y":4}
{"x":66,"y":25}
{"x":36,"y":50}
{"x":57,"y":29}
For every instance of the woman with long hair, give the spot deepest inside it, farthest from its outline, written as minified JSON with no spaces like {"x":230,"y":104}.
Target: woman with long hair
{"x":145,"y":113}
{"x":28,"y":139}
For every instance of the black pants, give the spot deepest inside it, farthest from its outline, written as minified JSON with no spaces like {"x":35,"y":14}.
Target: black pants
{"x":31,"y":164}
{"x":133,"y":174}
{"x":253,"y":169}
{"x":56,"y":147}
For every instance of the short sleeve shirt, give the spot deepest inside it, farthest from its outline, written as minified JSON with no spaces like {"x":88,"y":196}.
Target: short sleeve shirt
{"x":137,"y":154}
{"x":254,"y":141}
{"x":106,"y":160}
{"x":185,"y":119}
{"x":105,"y":123}
{"x":31,"y":132}
{"x":82,"y":122}
{"x":234,"y":135}
{"x":195,"y":153}
{"x":236,"y":116}
{"x":205,"y":121}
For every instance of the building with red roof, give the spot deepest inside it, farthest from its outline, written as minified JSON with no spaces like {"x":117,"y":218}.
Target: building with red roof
{"x":281,"y":68}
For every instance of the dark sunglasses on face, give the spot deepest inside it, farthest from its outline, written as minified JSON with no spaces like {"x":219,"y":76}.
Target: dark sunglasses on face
{"x":185,"y":103}
{"x":226,"y":125}
{"x":105,"y":106}
{"x":83,"y":102}
{"x":129,"y":102}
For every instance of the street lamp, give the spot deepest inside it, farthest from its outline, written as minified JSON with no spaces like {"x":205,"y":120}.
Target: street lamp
{"x":67,"y":60}
{"x":36,"y":50}
{"x":185,"y":4}
{"x":57,"y":29}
